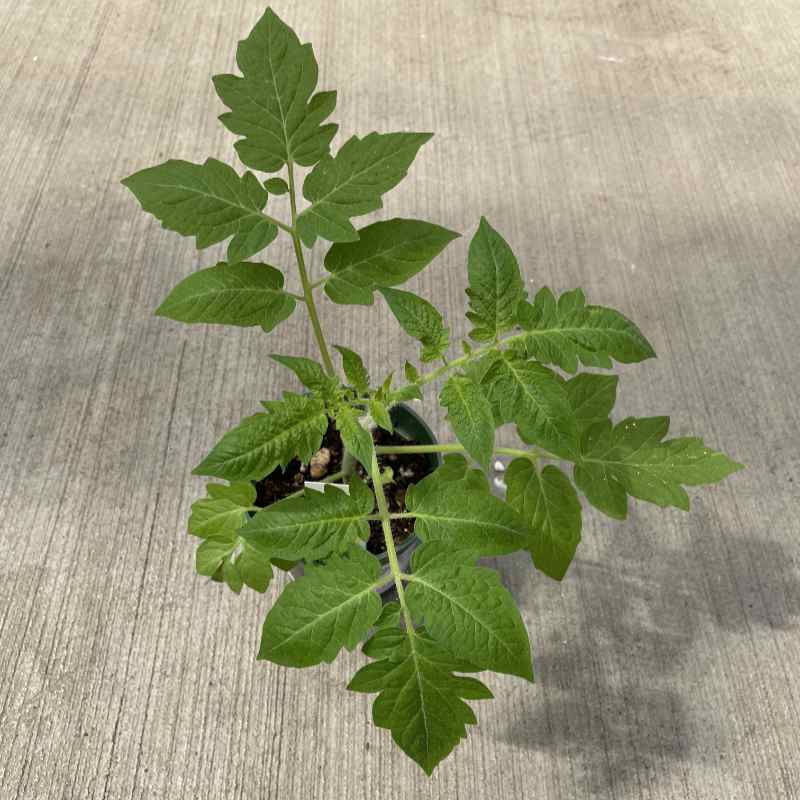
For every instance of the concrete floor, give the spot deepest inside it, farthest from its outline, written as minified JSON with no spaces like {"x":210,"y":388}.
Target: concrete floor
{"x":647,"y":150}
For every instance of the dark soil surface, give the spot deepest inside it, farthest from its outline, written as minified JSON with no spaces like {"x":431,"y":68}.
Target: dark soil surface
{"x":407,"y":470}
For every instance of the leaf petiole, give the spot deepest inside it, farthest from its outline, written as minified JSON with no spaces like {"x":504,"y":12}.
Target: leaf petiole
{"x":455,"y":448}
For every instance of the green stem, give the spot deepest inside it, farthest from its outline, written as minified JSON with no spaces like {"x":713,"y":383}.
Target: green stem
{"x":453,"y":448}
{"x":465,"y":359}
{"x":385,"y":518}
{"x":418,"y":448}
{"x":308,"y":294}
{"x":282,"y":225}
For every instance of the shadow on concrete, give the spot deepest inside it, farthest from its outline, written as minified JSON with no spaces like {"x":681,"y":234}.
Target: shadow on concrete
{"x":617,"y":699}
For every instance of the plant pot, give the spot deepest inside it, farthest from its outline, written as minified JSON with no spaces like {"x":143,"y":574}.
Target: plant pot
{"x":409,"y":424}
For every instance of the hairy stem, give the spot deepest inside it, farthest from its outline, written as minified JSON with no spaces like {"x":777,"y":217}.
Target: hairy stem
{"x":308,"y":294}
{"x":385,"y":518}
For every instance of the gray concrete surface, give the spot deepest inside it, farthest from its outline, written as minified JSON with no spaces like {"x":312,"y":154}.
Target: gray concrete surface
{"x":647,"y":150}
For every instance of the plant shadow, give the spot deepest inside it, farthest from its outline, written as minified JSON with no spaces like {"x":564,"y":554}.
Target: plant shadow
{"x":617,"y":693}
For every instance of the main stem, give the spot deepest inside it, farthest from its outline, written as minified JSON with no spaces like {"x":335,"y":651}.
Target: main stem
{"x":386,"y":525}
{"x":308,"y":293}
{"x":375,"y":471}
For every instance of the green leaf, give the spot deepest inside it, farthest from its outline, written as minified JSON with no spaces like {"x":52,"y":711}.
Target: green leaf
{"x":411,"y":372}
{"x":533,"y":397}
{"x":212,"y":552}
{"x":477,"y":368}
{"x":390,"y":617}
{"x":229,"y":557}
{"x":550,"y":505}
{"x":231,"y":576}
{"x":247,"y":244}
{"x":591,"y":396}
{"x":352,"y":182}
{"x":354,"y":369}
{"x":379,"y":413}
{"x":467,"y":610}
{"x":470,"y":415}
{"x":272,"y":105}
{"x":330,"y":607}
{"x":209,"y":201}
{"x":495,"y":285}
{"x":454,"y":469}
{"x":567,"y":331}
{"x":356,"y":439}
{"x":419,"y":699}
{"x":224,"y":511}
{"x":254,"y":570}
{"x":310,"y":373}
{"x":291,"y":428}
{"x":420,"y":320}
{"x":466,"y":516}
{"x":386,"y":253}
{"x":313,"y":524}
{"x":386,"y":639}
{"x":631,"y":459}
{"x":410,"y":392}
{"x":230,"y":294}
{"x":276,"y":186}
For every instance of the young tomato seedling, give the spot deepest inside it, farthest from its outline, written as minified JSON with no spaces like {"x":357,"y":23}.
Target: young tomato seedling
{"x":451,"y":616}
